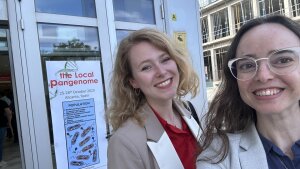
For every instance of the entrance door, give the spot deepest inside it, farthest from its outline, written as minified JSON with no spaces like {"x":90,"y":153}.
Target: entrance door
{"x":57,"y":45}
{"x":11,"y":156}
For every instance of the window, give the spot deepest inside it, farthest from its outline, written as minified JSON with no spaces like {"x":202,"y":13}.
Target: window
{"x":208,"y":67}
{"x":268,"y":7}
{"x":220,"y":24}
{"x":204,"y":26}
{"x":204,"y":3}
{"x":242,"y":13}
{"x":85,"y":8}
{"x":121,"y":34}
{"x":295,"y":8}
{"x":141,"y":11}
{"x":3,"y":40}
{"x":220,"y":54}
{"x":68,"y":41}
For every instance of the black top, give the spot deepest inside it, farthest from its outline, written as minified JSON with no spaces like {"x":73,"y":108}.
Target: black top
{"x":3,"y":118}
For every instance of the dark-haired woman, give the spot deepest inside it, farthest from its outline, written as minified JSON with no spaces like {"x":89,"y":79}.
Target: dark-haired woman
{"x":254,"y":120}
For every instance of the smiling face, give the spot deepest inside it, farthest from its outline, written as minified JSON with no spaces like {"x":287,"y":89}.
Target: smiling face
{"x":154,"y":72}
{"x":267,"y":92}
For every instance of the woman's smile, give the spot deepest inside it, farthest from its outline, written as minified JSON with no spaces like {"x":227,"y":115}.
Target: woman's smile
{"x":165,"y":84}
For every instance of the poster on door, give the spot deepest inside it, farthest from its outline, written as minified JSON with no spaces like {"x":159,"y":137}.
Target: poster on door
{"x":77,"y":112}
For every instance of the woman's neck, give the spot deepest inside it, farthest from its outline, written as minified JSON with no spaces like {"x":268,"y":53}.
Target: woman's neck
{"x":168,"y":113}
{"x":281,"y":129}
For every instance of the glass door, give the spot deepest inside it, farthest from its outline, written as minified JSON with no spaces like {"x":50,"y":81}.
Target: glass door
{"x":64,"y":51}
{"x":10,"y":155}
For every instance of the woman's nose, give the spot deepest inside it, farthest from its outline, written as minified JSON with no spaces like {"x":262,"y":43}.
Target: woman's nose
{"x":160,"y":70}
{"x":263,"y":72}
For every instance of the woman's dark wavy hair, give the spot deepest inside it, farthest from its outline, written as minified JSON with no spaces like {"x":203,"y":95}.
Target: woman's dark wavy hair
{"x":227,"y":112}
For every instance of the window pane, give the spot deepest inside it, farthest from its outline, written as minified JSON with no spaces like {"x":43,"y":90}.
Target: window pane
{"x":220,"y":54}
{"x":220,"y":23}
{"x":58,"y":40}
{"x":295,"y":8}
{"x":139,"y":11}
{"x":121,"y":34}
{"x":205,"y":33}
{"x":3,"y":40}
{"x":242,"y":13}
{"x":85,"y":8}
{"x":208,"y":68}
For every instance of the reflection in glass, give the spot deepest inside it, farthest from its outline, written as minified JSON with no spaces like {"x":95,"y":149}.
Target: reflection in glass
{"x":68,"y":41}
{"x":139,"y":11}
{"x":3,"y":40}
{"x":85,"y":8}
{"x":121,"y":34}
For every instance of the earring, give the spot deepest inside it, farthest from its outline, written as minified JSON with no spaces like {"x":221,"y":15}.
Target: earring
{"x":137,"y":91}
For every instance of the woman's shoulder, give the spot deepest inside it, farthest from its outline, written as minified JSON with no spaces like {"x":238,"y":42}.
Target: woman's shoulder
{"x":217,"y":143}
{"x":211,"y":155}
{"x":130,"y":128}
{"x":233,"y":138}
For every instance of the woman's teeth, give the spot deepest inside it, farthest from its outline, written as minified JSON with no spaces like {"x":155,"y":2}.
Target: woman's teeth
{"x":165,"y":83}
{"x":267,"y":92}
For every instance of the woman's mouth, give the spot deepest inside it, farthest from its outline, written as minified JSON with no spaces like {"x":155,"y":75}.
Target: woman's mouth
{"x":267,"y":92}
{"x":164,"y":83}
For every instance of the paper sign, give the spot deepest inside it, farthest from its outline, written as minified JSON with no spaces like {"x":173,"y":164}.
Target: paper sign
{"x":77,"y":112}
{"x":180,"y":38}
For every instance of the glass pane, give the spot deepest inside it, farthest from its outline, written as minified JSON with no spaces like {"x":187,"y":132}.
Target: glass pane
{"x":85,"y":8}
{"x":58,"y":40}
{"x":3,"y":40}
{"x":121,"y":34}
{"x":141,"y":11}
{"x":10,"y":143}
{"x":74,"y":53}
{"x":220,"y":23}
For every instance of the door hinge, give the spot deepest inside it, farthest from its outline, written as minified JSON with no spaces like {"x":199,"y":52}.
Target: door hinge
{"x":162,"y":11}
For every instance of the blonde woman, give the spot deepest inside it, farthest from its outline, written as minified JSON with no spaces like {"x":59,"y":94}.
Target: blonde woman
{"x":152,"y":128}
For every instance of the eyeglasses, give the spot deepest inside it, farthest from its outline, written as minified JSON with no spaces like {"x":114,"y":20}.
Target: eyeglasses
{"x":280,"y":62}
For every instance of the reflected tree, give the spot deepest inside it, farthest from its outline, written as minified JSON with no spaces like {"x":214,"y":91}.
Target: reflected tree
{"x":72,"y":44}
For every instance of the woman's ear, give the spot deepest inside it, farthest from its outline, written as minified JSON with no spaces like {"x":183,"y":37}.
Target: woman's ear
{"x":133,"y":83}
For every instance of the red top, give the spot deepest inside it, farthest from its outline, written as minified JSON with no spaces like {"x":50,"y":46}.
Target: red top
{"x":183,"y":141}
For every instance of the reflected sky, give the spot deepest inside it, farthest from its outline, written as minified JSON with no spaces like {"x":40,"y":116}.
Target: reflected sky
{"x":141,"y":11}
{"x":85,"y":8}
{"x":51,"y":35}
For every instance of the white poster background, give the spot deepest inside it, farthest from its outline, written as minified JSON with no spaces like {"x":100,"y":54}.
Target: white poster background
{"x":77,"y":112}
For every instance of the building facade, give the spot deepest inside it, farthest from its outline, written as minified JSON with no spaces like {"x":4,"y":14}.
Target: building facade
{"x":221,"y":19}
{"x":56,"y":56}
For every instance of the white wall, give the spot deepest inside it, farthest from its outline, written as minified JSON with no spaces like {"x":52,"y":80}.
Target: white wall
{"x":188,"y":20}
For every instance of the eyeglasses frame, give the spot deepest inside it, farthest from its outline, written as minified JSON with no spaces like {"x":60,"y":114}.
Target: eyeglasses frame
{"x":231,"y":61}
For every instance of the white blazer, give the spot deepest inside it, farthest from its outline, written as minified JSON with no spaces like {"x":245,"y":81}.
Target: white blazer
{"x":246,"y":151}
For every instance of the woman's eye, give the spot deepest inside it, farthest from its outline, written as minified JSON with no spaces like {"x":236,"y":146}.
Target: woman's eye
{"x":246,"y":65}
{"x":166,"y":59}
{"x":284,"y":60}
{"x":145,"y":68}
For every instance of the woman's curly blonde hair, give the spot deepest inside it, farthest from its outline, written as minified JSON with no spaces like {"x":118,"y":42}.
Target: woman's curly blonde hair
{"x":124,"y":99}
